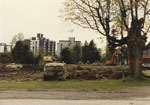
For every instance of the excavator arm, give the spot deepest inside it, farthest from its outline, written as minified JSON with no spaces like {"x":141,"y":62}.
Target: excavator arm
{"x":112,"y":57}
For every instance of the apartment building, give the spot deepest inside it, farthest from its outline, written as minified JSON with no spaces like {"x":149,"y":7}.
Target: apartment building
{"x":67,"y":43}
{"x":41,"y":45}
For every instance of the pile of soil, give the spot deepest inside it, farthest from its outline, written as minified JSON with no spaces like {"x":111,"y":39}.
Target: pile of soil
{"x":34,"y":72}
{"x":30,"y":72}
{"x":99,"y":73}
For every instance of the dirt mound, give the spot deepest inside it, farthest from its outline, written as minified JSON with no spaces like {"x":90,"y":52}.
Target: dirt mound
{"x":34,"y":72}
{"x":30,"y":72}
{"x":97,"y":74}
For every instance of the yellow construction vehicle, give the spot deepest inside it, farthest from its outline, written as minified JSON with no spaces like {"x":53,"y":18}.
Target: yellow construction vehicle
{"x":47,"y":59}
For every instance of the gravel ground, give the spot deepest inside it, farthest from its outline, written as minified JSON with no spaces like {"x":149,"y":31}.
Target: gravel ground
{"x":74,"y":102}
{"x":132,"y":93}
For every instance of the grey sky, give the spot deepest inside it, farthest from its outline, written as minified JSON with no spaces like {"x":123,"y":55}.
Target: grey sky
{"x":38,"y":16}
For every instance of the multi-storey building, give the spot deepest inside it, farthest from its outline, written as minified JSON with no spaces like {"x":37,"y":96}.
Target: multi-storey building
{"x":41,"y":45}
{"x":67,"y":43}
{"x":49,"y":47}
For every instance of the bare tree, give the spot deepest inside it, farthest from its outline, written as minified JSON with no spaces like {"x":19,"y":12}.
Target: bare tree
{"x":18,"y":37}
{"x":121,"y":21}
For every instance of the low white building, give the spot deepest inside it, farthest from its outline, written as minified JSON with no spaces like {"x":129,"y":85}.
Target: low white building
{"x":70,"y":43}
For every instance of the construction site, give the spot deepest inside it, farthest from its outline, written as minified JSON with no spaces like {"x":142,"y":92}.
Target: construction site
{"x":26,"y":72}
{"x":84,"y":72}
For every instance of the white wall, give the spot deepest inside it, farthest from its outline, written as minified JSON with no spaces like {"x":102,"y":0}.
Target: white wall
{"x":66,"y":43}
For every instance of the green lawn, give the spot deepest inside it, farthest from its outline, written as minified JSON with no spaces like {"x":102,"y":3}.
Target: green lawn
{"x":104,"y":84}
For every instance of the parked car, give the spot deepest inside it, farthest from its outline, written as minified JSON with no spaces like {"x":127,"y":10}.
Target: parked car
{"x":55,"y":71}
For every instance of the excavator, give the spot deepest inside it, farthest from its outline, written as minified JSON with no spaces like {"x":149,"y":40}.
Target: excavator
{"x":112,"y":62}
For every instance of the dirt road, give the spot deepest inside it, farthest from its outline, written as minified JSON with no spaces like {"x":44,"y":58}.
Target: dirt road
{"x":74,"y":102}
{"x":132,"y":96}
{"x":132,"y":93}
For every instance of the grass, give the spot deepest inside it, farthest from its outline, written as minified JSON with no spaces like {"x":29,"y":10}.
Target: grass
{"x":104,"y":84}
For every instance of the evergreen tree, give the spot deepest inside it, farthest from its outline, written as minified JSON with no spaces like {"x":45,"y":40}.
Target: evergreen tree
{"x":76,"y":54}
{"x":22,"y":54}
{"x":90,"y":53}
{"x":85,"y":51}
{"x":93,"y":53}
{"x":66,"y":55}
{"x":18,"y":52}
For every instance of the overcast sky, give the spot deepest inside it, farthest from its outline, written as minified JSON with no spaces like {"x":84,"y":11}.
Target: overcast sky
{"x":38,"y":16}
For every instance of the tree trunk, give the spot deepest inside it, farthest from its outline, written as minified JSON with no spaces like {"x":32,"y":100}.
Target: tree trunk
{"x":135,"y":51}
{"x":135,"y":60}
